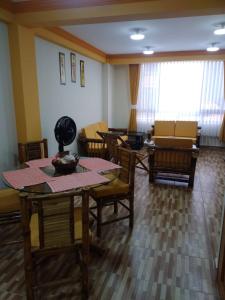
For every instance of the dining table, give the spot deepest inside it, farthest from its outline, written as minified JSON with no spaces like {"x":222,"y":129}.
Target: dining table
{"x":40,"y":177}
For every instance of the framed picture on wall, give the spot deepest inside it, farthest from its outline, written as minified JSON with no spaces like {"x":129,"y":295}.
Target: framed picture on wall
{"x":82,"y":75}
{"x":62,"y":68}
{"x":73,"y":66}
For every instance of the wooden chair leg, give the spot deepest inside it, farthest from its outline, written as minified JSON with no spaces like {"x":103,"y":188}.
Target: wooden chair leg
{"x":115,"y":207}
{"x":85,"y":281}
{"x":191,"y":181}
{"x":131,"y":219}
{"x":151,"y":176}
{"x":29,"y":282}
{"x":99,"y":218}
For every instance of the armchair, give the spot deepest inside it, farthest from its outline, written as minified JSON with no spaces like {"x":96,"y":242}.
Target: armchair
{"x":171,"y":158}
{"x":114,"y":139}
{"x":90,"y":143}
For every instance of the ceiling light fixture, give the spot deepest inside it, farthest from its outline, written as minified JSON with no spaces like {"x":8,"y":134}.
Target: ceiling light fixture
{"x":221,"y":30}
{"x":213,"y":48}
{"x":137,"y":35}
{"x":148,"y":51}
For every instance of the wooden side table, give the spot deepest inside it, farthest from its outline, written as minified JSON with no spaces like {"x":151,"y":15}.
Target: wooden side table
{"x":136,"y":139}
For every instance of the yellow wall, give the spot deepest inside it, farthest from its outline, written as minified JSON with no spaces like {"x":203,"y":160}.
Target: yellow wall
{"x":24,"y":74}
{"x":6,"y":16}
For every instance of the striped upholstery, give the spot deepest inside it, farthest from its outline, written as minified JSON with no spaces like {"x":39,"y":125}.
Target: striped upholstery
{"x":56,"y":230}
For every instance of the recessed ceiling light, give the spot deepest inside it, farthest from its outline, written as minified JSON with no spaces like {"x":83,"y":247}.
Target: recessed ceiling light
{"x":221,"y":30}
{"x":148,"y":51}
{"x":137,"y":35}
{"x":213,"y":48}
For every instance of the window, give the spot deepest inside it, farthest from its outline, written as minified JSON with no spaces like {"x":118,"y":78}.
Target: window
{"x":190,"y":90}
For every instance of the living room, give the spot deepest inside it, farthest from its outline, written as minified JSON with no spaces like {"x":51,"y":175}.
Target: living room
{"x":73,"y":59}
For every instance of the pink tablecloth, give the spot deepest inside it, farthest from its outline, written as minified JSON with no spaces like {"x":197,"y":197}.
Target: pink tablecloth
{"x":97,"y":164}
{"x":76,"y":180}
{"x":40,"y":163}
{"x":26,"y":177}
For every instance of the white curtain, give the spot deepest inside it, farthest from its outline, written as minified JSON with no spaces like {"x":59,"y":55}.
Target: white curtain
{"x":183,"y":90}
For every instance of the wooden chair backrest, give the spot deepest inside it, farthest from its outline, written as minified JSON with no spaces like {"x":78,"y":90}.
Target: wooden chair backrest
{"x":126,"y":159}
{"x":173,"y":158}
{"x":33,"y":150}
{"x":111,"y":142}
{"x":55,"y":219}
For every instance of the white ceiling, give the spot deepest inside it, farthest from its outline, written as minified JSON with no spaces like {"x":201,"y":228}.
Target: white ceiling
{"x":180,"y":34}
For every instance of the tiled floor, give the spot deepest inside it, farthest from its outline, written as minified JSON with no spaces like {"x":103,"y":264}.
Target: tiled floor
{"x":168,"y":255}
{"x":211,"y":141}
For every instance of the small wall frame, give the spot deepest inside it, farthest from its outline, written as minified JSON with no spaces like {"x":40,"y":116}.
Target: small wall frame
{"x":82,"y":74}
{"x":73,"y":66}
{"x":62,"y":68}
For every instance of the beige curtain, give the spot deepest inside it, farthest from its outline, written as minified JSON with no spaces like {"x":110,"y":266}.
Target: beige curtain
{"x":222,"y":129}
{"x":134,"y":74}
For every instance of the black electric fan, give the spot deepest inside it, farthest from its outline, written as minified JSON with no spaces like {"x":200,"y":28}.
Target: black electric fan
{"x":65,"y":132}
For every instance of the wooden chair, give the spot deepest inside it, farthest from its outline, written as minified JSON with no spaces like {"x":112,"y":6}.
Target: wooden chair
{"x":33,"y":150}
{"x":113,"y":139}
{"x":112,"y":142}
{"x":118,"y":190}
{"x":56,"y":227}
{"x":91,"y":144}
{"x":171,"y":159}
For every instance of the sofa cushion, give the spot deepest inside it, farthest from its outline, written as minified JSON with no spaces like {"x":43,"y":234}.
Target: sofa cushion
{"x":90,"y":131}
{"x":186,"y":129}
{"x":173,"y":142}
{"x":9,"y":200}
{"x":164,"y":128}
{"x":103,"y":127}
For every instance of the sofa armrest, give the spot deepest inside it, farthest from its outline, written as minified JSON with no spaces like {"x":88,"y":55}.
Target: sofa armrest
{"x":87,"y":140}
{"x":198,"y":136}
{"x":122,"y":130}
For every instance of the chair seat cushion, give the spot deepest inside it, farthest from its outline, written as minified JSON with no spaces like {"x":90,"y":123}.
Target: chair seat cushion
{"x":96,"y":146}
{"x":9,"y":200}
{"x":35,"y":228}
{"x":115,"y":187}
{"x":172,"y":138}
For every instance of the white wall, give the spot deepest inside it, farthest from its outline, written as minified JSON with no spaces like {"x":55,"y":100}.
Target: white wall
{"x":120,"y":96}
{"x":108,"y":90}
{"x":8,"y":144}
{"x":83,"y":104}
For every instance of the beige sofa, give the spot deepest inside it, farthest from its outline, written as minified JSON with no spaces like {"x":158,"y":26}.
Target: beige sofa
{"x":177,"y":130}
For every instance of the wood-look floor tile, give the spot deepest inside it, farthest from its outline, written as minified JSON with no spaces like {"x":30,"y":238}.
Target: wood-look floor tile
{"x":168,"y":255}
